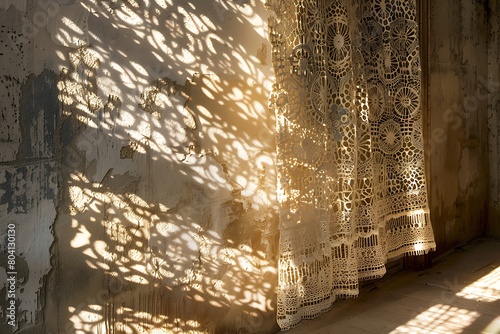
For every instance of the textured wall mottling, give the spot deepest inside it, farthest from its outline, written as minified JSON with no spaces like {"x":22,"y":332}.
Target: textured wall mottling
{"x":29,"y":110}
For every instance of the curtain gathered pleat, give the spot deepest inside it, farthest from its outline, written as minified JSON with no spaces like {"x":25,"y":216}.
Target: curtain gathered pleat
{"x":350,"y":160}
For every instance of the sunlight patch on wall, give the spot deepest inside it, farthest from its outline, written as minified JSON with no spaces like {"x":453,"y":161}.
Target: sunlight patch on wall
{"x":69,"y":25}
{"x":88,"y":321}
{"x":173,"y":161}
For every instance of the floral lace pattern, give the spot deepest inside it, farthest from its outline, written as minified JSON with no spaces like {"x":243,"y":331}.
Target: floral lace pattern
{"x":349,"y":147}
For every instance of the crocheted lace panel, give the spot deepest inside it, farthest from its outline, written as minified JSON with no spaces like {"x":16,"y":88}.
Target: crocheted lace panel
{"x":350,"y":160}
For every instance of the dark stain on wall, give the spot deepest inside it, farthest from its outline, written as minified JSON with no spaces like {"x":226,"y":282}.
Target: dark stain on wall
{"x":34,"y":165}
{"x":39,"y":116}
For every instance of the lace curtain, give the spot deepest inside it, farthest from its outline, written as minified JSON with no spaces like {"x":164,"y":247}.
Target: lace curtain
{"x":350,"y":160}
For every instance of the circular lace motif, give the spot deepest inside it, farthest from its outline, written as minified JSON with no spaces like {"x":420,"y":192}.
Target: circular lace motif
{"x":406,"y":102}
{"x":322,"y":92}
{"x":403,"y":35}
{"x":388,"y":67}
{"x":300,"y":60}
{"x":382,"y":10}
{"x":376,"y":102}
{"x":390,"y":137}
{"x":338,"y":41}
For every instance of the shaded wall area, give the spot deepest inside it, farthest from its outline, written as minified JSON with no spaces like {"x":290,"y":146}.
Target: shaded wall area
{"x":459,"y":87}
{"x":494,"y":116}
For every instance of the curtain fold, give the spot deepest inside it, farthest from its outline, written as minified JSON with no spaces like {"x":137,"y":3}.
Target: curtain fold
{"x":350,"y":160}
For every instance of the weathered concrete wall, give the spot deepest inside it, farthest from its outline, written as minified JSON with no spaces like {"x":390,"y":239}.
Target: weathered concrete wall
{"x":29,"y":114}
{"x":137,"y":163}
{"x":457,"y":121}
{"x":494,"y":116}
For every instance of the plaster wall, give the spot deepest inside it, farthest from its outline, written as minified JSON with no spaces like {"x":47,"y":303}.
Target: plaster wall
{"x":137,"y":164}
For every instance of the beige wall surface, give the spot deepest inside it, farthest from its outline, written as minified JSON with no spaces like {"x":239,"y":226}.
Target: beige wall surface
{"x":137,"y":164}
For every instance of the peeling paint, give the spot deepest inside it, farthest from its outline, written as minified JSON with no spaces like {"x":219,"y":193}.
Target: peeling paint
{"x":28,"y":195}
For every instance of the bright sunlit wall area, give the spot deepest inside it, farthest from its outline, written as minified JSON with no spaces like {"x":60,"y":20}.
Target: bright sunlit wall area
{"x":138,"y":162}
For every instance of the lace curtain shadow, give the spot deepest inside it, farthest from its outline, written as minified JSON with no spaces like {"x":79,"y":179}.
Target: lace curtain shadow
{"x":350,"y":159}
